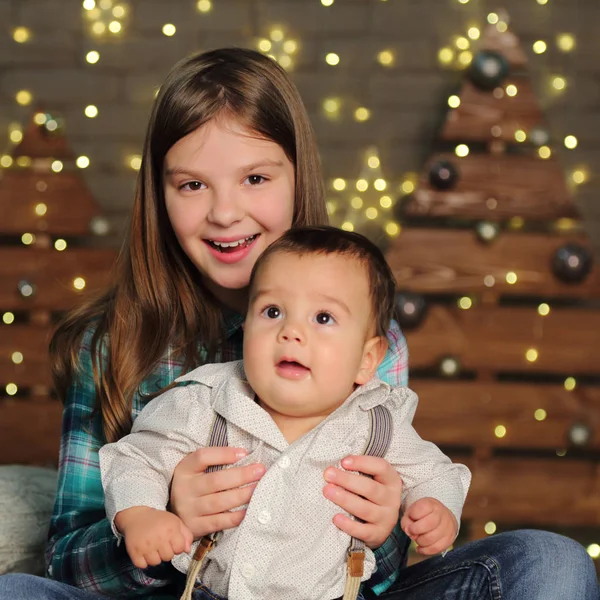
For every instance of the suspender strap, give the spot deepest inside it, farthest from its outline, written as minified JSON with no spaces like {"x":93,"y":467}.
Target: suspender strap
{"x":378,"y":442}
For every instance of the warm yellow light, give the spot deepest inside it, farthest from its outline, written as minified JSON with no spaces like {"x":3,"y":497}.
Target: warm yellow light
{"x":24,"y":161}
{"x":540,"y":414}
{"x":356,"y":203}
{"x":465,"y":58}
{"x":115,"y":27}
{"x":540,"y":47}
{"x":542,"y":2}
{"x":91,"y":111}
{"x":204,"y":6}
{"x":462,"y":150}
{"x":118,"y":12}
{"x":276,"y":34}
{"x":474,"y":33}
{"x":11,"y":389}
{"x":571,"y":142}
{"x":362,"y":114}
{"x":332,"y":59}
{"x":500,"y":431}
{"x":593,"y":550}
{"x":92,"y":57}
{"x":290,"y":46}
{"x":89,"y":4}
{"x":492,"y":18}
{"x":502,"y":26}
{"x":41,"y":209}
{"x":362,"y":185}
{"x":511,"y":90}
{"x":339,"y":184}
{"x":559,"y":83}
{"x":347,"y":226}
{"x":454,"y":102}
{"x":24,"y":97}
{"x":562,"y":452}
{"x":79,"y":283}
{"x":98,"y":28}
{"x":462,"y":43}
{"x":532,"y":355}
{"x":490,"y":526}
{"x":21,"y":34}
{"x":385,"y":202}
{"x":544,"y":152}
{"x":169,"y":29}
{"x":285,"y":61}
{"x":386,"y":58}
{"x":407,"y":187}
{"x":331,"y":105}
{"x":570,"y":384}
{"x":17,"y":358}
{"x":373,"y":162}
{"x":264,"y":45}
{"x":331,"y":207}
{"x":326,"y":2}
{"x":465,"y":303}
{"x":446,"y":55}
{"x":371,"y":213}
{"x":83,"y":162}
{"x":544,"y":309}
{"x":511,"y":278}
{"x":27,"y":239}
{"x":520,"y":135}
{"x":392,"y":229}
{"x":16,"y":135}
{"x":380,"y":185}
{"x":8,"y":318}
{"x":6,"y":161}
{"x":579,"y":176}
{"x":57,"y":166}
{"x":60,"y":245}
{"x":135,"y":162}
{"x":566,"y":42}
{"x":463,"y":1}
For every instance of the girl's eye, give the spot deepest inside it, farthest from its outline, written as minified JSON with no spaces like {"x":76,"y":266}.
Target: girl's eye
{"x":324,"y":318}
{"x":255,"y":179}
{"x":272,"y":312}
{"x":191,"y":186}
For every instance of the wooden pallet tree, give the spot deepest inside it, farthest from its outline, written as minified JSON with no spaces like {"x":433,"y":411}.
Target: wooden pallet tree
{"x":498,"y":285}
{"x":46,"y":218}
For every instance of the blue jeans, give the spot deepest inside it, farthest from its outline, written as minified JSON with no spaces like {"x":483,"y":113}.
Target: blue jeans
{"x":517,"y":565}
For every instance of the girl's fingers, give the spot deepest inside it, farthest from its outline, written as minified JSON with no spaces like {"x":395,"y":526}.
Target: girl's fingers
{"x":227,"y":479}
{"x":352,"y":503}
{"x":379,"y":468}
{"x":204,"y":525}
{"x":201,"y":459}
{"x":366,"y":532}
{"x":223,"y":501}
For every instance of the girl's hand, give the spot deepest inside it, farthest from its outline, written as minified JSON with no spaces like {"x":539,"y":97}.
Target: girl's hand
{"x":379,"y":506}
{"x":203,"y":500}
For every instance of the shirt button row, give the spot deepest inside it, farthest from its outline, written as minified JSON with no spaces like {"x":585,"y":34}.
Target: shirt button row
{"x":264,"y":517}
{"x":248,"y":571}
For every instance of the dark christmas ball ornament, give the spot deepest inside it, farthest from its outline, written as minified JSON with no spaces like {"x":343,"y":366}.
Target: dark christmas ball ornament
{"x":572,"y":263}
{"x":487,"y":231}
{"x":443,"y":175}
{"x":411,"y":309}
{"x":580,"y":434}
{"x":26,"y":289}
{"x":489,"y":69}
{"x":450,"y":366}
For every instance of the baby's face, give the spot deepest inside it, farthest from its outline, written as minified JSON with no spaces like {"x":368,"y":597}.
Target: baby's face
{"x":308,"y":324}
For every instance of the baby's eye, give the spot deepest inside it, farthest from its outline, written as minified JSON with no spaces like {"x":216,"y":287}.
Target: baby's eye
{"x":255,"y":179}
{"x":324,"y":318}
{"x":191,"y":186}
{"x":272,"y":312}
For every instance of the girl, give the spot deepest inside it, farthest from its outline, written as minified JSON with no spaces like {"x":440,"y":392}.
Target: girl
{"x":229,"y":164}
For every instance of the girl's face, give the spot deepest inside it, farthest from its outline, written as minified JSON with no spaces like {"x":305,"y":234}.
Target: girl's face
{"x":229,"y":194}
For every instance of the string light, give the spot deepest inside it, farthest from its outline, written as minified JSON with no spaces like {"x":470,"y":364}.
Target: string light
{"x":385,"y":202}
{"x":169,"y":29}
{"x":92,"y":57}
{"x":356,"y":203}
{"x":579,"y":176}
{"x":135,"y":162}
{"x":511,"y":278}
{"x":520,"y":135}
{"x":91,"y":111}
{"x":380,"y":185}
{"x":27,"y":239}
{"x":83,"y":162}
{"x":453,"y":101}
{"x":490,"y":528}
{"x":339,"y":184}
{"x":326,"y":2}
{"x":57,"y":166}
{"x":79,"y":283}
{"x":571,"y":142}
{"x":407,"y":187}
{"x":362,"y":185}
{"x":511,"y":90}
{"x":500,"y":431}
{"x":21,"y":35}
{"x":204,"y":6}
{"x":16,"y":135}
{"x":8,"y":318}
{"x":11,"y":389}
{"x":392,"y":229}
{"x":540,"y":414}
{"x":593,"y":550}
{"x":462,"y":150}
{"x":465,"y":303}
{"x":373,"y":162}
{"x":347,"y":226}
{"x":565,"y":42}
{"x":544,"y":152}
{"x":570,"y":384}
{"x":540,"y":47}
{"x":446,"y":55}
{"x":362,"y":114}
{"x":371,"y":213}
{"x":559,"y":83}
{"x":24,"y":97}
{"x":531,"y":355}
{"x":17,"y":358}
{"x":332,"y":59}
{"x":474,"y":33}
{"x":60,"y":245}
{"x":6,"y":161}
{"x":386,"y":58}
{"x":543,"y":309}
{"x":493,"y":18}
{"x":41,"y":209}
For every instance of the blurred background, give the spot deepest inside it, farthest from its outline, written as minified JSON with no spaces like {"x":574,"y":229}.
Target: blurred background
{"x":460,"y":135}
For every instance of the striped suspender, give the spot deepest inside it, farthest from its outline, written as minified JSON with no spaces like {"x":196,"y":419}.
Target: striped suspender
{"x":378,"y":442}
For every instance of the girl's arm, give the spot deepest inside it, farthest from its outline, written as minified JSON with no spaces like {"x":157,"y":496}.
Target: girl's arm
{"x":82,"y":550}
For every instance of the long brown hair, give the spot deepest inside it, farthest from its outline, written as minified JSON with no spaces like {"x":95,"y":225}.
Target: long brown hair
{"x":158,"y":302}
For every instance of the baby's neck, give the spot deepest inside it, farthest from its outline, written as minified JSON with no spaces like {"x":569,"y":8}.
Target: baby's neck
{"x":293,"y":428}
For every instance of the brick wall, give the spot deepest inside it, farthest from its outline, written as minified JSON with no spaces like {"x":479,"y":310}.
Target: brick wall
{"x":407,"y":100}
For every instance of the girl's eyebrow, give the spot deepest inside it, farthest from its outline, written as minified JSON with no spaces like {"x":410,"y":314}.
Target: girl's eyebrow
{"x":170,"y":171}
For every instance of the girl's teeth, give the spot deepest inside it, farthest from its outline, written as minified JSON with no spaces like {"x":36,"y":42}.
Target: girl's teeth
{"x":233,"y":244}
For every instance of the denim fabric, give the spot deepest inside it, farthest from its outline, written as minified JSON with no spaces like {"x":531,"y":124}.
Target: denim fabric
{"x":18,"y":586}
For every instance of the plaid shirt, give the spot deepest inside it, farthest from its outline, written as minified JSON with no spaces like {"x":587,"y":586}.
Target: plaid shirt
{"x":82,"y":549}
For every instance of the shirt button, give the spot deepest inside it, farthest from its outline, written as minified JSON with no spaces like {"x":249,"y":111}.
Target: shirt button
{"x":284,"y":462}
{"x":248,"y":571}
{"x":264,"y":517}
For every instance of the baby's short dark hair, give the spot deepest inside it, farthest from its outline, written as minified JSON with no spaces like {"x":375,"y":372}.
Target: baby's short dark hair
{"x":331,"y":240}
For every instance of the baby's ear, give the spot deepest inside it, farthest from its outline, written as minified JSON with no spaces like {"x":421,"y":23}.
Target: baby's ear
{"x":373,"y":353}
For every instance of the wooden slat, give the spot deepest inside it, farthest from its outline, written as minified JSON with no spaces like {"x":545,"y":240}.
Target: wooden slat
{"x":466,"y":413}
{"x":52,"y":273}
{"x":70,"y":205}
{"x":560,"y":492}
{"x":496,"y":339}
{"x":30,"y":431}
{"x":480,"y":111}
{"x":535,"y":190}
{"x":438,"y":260}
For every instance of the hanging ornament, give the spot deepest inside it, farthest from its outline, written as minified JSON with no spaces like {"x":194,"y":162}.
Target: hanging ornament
{"x":488,"y":70}
{"x":411,"y":309}
{"x":443,"y":175}
{"x":487,"y":231}
{"x":580,"y":434}
{"x":26,"y":289}
{"x":449,"y":366}
{"x":572,"y":263}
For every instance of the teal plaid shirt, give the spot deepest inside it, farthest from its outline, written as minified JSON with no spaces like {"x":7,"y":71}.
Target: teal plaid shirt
{"x":82,"y":550}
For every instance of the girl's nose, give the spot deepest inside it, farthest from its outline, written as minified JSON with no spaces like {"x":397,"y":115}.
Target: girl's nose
{"x":225,"y":209}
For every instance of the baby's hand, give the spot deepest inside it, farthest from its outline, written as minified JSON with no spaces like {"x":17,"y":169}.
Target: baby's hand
{"x":431,"y":525}
{"x":152,"y":536}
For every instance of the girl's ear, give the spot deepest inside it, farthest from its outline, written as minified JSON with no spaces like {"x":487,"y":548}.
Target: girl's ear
{"x":373,"y":352}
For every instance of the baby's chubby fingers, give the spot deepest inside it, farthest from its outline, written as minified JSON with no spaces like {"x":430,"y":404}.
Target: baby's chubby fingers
{"x":422,"y":526}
